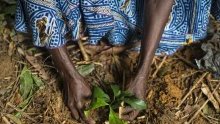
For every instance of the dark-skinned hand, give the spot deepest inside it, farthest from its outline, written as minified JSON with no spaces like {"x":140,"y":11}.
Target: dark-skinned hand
{"x":137,"y":87}
{"x":77,"y":95}
{"x":77,"y":92}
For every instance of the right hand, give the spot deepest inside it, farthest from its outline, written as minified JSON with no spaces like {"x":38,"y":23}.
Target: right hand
{"x":77,"y":95}
{"x":77,"y":92}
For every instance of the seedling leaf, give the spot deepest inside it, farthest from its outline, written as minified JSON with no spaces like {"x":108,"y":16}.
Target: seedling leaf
{"x":127,"y":94}
{"x":136,"y":103}
{"x":114,"y":118}
{"x":99,"y":102}
{"x":99,"y":93}
{"x":26,"y":102}
{"x":116,"y":90}
{"x":99,"y":99}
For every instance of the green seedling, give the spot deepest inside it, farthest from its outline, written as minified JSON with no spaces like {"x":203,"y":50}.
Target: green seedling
{"x":102,"y":100}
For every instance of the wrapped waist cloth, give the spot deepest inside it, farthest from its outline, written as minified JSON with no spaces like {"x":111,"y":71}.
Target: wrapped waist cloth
{"x":119,"y":21}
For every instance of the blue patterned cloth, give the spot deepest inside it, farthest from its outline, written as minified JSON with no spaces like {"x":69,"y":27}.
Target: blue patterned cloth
{"x":119,"y":21}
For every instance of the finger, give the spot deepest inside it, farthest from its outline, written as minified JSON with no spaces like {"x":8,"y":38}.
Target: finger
{"x":127,"y":110}
{"x":74,"y":113}
{"x":80,"y":110}
{"x":82,"y":116}
{"x":130,"y":116}
{"x":86,"y":101}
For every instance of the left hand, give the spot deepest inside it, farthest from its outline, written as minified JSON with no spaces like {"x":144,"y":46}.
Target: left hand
{"x":137,"y":87}
{"x":156,"y":15}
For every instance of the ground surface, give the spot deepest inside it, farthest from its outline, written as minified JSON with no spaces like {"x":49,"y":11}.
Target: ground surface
{"x":177,"y":91}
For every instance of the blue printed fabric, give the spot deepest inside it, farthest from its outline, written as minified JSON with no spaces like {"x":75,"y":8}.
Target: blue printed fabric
{"x":50,"y":21}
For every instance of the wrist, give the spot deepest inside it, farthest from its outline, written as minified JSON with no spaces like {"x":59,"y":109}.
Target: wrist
{"x":63,"y":62}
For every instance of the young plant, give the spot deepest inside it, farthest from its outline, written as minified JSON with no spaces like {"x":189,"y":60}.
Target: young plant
{"x":29,"y":84}
{"x":100,"y":99}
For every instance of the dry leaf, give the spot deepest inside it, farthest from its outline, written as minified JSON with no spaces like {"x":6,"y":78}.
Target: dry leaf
{"x":205,"y":89}
{"x":11,"y":48}
{"x":33,"y":61}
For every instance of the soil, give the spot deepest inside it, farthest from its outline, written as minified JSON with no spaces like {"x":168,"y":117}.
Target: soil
{"x":7,"y":69}
{"x":6,"y":64}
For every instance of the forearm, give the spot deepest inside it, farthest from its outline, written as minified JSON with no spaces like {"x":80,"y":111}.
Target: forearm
{"x":62,"y":61}
{"x":156,"y":15}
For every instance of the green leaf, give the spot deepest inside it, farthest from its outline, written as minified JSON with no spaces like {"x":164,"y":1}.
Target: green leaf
{"x":26,"y":102}
{"x":136,"y":103}
{"x":14,"y":119}
{"x":113,"y":118}
{"x":38,"y":81}
{"x":116,"y":90}
{"x":85,"y":70}
{"x":99,"y":93}
{"x":99,"y":99}
{"x":26,"y":83}
{"x":99,"y":102}
{"x":126,"y":94}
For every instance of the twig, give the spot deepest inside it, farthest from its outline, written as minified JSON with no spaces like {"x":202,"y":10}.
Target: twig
{"x":198,"y":111}
{"x":155,"y":61}
{"x":5,"y":120}
{"x":206,"y":90}
{"x":194,"y":86}
{"x":69,"y":47}
{"x":89,"y":62}
{"x":186,"y":61}
{"x":32,"y":60}
{"x":83,"y":51}
{"x":121,"y":110}
{"x":141,"y":117}
{"x":14,"y":88}
{"x":159,"y":67}
{"x":117,"y":49}
{"x":215,"y":119}
{"x":208,"y":119}
{"x":216,"y":95}
{"x":19,"y":110}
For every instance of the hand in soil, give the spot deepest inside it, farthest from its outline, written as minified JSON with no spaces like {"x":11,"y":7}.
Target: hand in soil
{"x":77,"y":95}
{"x":76,"y":90}
{"x":137,"y":87}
